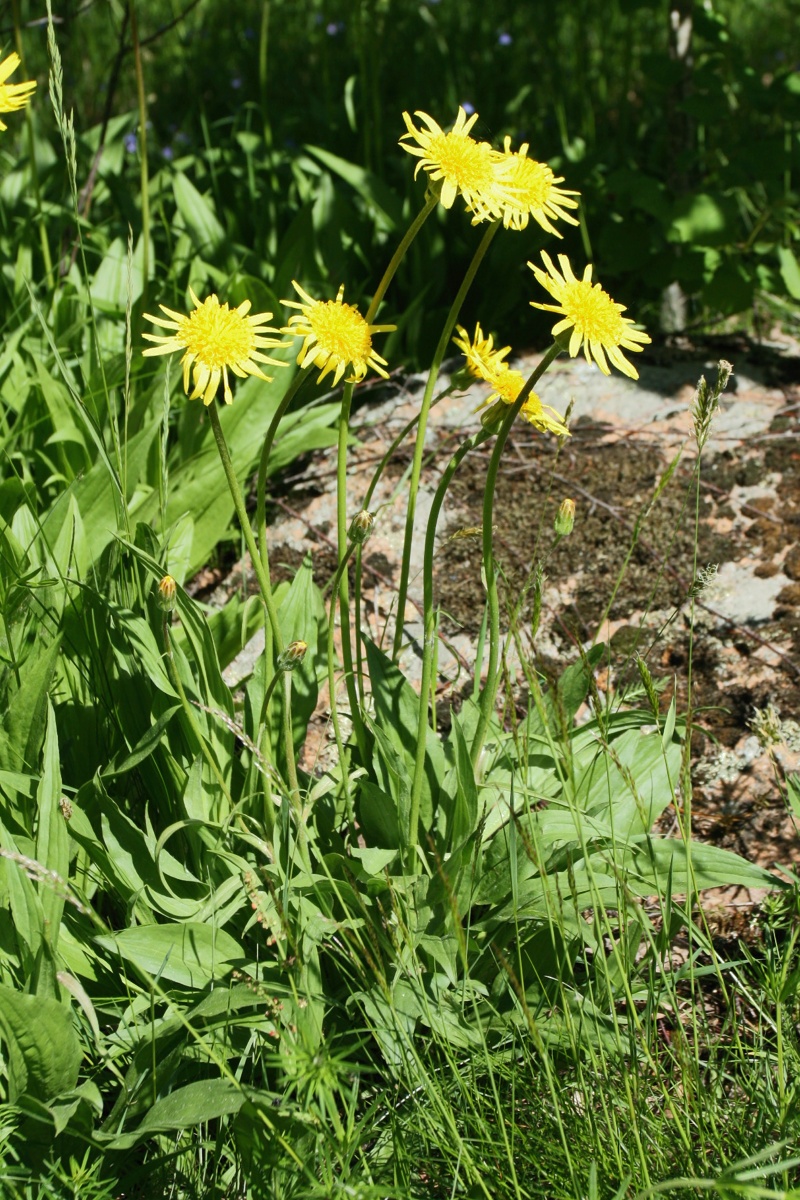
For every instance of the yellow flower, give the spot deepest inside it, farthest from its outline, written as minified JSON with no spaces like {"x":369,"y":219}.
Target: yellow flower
{"x":13,"y":96}
{"x":480,"y":353}
{"x":506,"y":385}
{"x":594,"y":318}
{"x":533,"y":193}
{"x":463,"y":165}
{"x":215,"y":337}
{"x":336,"y":336}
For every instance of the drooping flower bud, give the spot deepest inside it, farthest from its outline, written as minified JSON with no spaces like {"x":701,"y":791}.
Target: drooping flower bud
{"x":167,"y":590}
{"x":292,"y":656}
{"x":565,"y":518}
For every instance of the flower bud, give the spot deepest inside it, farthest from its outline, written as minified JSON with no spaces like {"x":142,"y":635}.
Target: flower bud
{"x":492,"y":417}
{"x":292,"y":656}
{"x":167,"y":590}
{"x":361,"y":527}
{"x":565,"y":518}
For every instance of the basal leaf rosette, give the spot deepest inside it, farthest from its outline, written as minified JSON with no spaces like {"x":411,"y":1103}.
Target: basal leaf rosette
{"x":460,"y":164}
{"x":595,"y":320}
{"x":215,"y":338}
{"x":335,"y":337}
{"x":13,"y":96}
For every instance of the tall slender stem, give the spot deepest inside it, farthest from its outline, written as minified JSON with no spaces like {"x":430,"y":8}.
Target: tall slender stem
{"x":344,"y":597}
{"x":261,"y":504}
{"x":394,"y":262}
{"x":419,"y":445}
{"x":37,"y":195}
{"x":337,"y":729}
{"x":490,"y":689}
{"x":429,"y":618}
{"x":341,"y":478}
{"x":145,"y":181}
{"x":266,"y":592}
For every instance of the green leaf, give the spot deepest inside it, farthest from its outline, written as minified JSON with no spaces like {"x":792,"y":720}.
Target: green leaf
{"x":464,"y":815}
{"x":147,"y":743}
{"x":790,"y":271}
{"x":205,"y":1100}
{"x":52,"y":839}
{"x":657,"y":860}
{"x":204,"y":228}
{"x":378,"y":816}
{"x":26,"y":907}
{"x":380,"y":198}
{"x":703,"y":219}
{"x":189,"y":954}
{"x":396,"y":715}
{"x":110,"y":286}
{"x":44,"y":1053}
{"x":301,"y":614}
{"x":24,"y":722}
{"x":95,"y":494}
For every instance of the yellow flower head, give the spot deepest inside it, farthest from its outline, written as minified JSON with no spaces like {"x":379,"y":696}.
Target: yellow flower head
{"x":506,"y":385}
{"x":480,"y":353}
{"x":13,"y":96}
{"x":213,"y":338}
{"x":533,"y":193}
{"x":543,"y":417}
{"x":336,"y":336}
{"x":463,"y":165}
{"x":595,"y":320}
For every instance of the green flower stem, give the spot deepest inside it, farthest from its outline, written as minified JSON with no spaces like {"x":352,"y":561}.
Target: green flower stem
{"x":144,"y":185}
{"x":266,"y":592}
{"x":274,"y":628}
{"x":401,"y":437}
{"x":337,"y":729}
{"x":37,"y":195}
{"x":429,"y":618}
{"x":344,"y":598}
{"x":489,"y":693}
{"x":341,"y":486}
{"x":399,"y":255}
{"x":419,"y":445}
{"x":357,"y":624}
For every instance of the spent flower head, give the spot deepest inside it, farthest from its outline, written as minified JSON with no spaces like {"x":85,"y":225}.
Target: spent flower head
{"x":533,"y":192}
{"x":595,"y":320}
{"x":215,"y":337}
{"x":336,"y":336}
{"x":459,"y":163}
{"x":13,"y":96}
